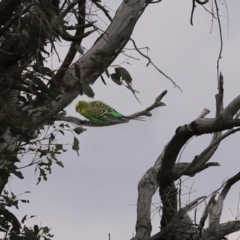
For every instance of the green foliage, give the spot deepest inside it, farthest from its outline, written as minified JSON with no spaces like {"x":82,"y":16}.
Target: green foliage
{"x":124,"y":74}
{"x":75,"y":145}
{"x":102,"y":60}
{"x":79,"y":130}
{"x":77,"y":72}
{"x":121,"y":74}
{"x":47,"y":152}
{"x":83,"y":87}
{"x":79,"y":49}
{"x":12,"y":228}
{"x":26,"y":74}
{"x":87,"y":90}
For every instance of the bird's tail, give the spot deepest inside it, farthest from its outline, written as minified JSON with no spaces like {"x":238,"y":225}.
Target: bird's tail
{"x":139,"y":118}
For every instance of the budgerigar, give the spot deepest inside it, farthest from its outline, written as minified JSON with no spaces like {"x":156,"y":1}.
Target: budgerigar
{"x":100,"y":113}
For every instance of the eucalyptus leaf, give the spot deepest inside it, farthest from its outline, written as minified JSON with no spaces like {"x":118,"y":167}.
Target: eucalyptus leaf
{"x":79,"y":130}
{"x":60,"y":164}
{"x":88,"y":90}
{"x":77,"y":71}
{"x":75,"y":145}
{"x":79,"y":49}
{"x":39,"y":83}
{"x":115,"y":77}
{"x":80,"y":88}
{"x":125,"y":74}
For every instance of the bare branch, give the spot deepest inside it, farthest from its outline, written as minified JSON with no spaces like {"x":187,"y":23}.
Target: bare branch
{"x":217,"y":207}
{"x":228,"y":185}
{"x":201,"y":159}
{"x":167,"y":167}
{"x":204,"y":113}
{"x":68,"y":9}
{"x":68,"y":37}
{"x":229,"y":227}
{"x":183,"y":167}
{"x":105,"y":11}
{"x":192,"y":12}
{"x":181,"y":226}
{"x":87,"y":25}
{"x":205,"y":214}
{"x":221,"y":41}
{"x":232,"y":108}
{"x":147,"y":186}
{"x":150,"y":62}
{"x":219,"y":96}
{"x":202,"y":2}
{"x":193,"y":7}
{"x":157,"y":103}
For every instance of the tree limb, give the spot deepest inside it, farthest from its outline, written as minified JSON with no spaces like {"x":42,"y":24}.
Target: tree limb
{"x":216,"y":209}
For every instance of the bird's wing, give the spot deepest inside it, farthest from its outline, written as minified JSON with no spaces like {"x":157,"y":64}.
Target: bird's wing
{"x":98,"y":109}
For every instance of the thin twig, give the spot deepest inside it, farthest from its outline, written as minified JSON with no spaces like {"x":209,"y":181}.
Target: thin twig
{"x":105,"y":11}
{"x":150,"y":62}
{"x":68,"y":8}
{"x":90,"y":24}
{"x":201,"y":3}
{"x":221,"y":40}
{"x":193,"y":7}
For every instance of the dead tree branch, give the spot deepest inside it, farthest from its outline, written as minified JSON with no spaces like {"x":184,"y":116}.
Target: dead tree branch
{"x":167,"y":171}
{"x":151,"y":62}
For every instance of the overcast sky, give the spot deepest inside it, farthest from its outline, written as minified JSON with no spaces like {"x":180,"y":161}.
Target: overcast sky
{"x":96,"y":193}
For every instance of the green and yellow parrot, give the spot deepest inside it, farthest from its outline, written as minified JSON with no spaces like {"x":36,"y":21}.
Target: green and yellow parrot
{"x":100,"y":113}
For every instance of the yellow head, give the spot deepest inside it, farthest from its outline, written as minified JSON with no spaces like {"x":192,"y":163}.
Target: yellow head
{"x":81,"y":107}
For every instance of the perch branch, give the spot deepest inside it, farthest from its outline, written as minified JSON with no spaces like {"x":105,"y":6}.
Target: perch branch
{"x":157,"y":103}
{"x":146,"y":112}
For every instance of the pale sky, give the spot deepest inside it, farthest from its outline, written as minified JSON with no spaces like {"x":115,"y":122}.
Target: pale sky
{"x":96,"y":193}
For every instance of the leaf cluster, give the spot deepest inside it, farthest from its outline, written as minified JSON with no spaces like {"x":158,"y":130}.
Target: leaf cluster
{"x":12,"y":228}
